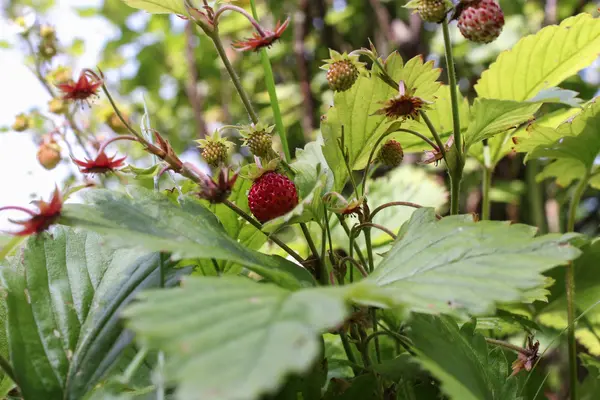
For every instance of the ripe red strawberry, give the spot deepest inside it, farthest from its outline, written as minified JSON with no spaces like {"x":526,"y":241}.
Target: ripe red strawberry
{"x":480,"y":21}
{"x":272,"y":195}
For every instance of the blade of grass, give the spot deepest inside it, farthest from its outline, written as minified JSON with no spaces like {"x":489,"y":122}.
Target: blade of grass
{"x":270,"y":81}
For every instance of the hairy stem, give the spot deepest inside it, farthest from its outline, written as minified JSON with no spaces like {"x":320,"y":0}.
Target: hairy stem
{"x":453,"y":89}
{"x":508,"y":346}
{"x":373,"y":311}
{"x":486,"y":187}
{"x":354,"y":246}
{"x":535,"y":196}
{"x":315,"y":253}
{"x":436,"y":136}
{"x":570,"y":289}
{"x":349,"y":353}
{"x":397,"y":204}
{"x":270,"y":81}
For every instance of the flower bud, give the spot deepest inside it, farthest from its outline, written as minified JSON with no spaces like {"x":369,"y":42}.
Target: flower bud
{"x":47,"y":32}
{"x":115,"y":123}
{"x":22,"y":123}
{"x":57,"y":106}
{"x":47,"y":49}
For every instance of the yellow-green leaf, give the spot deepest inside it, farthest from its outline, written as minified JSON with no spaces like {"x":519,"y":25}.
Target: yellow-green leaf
{"x":543,"y":60}
{"x":159,"y":6}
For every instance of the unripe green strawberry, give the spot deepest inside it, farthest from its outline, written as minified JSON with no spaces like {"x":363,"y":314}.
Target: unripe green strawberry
{"x":215,"y":150}
{"x":259,"y":139}
{"x":342,"y":75}
{"x":480,"y":21}
{"x":432,"y":10}
{"x":343,"y":70}
{"x":391,"y":154}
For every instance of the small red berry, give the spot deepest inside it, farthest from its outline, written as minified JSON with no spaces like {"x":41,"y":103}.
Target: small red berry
{"x":481,"y":21}
{"x":272,"y":195}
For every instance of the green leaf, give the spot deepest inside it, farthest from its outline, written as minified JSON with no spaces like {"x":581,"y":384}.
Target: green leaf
{"x":150,"y":220}
{"x":240,"y":337}
{"x":406,"y":183}
{"x":310,"y":164}
{"x":159,"y":6}
{"x":490,"y":117}
{"x":459,"y":266}
{"x":501,"y":145}
{"x":543,"y":60}
{"x":460,"y":359}
{"x":354,"y":110}
{"x":573,"y":147}
{"x":64,"y":299}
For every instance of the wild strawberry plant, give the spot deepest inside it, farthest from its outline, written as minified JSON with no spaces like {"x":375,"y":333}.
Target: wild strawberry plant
{"x":313,"y":277}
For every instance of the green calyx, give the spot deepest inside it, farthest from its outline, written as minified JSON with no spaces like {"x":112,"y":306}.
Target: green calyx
{"x":215,"y":149}
{"x":343,"y":70}
{"x":430,"y":10}
{"x":259,"y":139}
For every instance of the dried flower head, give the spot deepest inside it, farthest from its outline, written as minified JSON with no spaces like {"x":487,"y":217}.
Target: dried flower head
{"x":266,"y":38}
{"x":86,"y":86}
{"x":434,"y":156}
{"x":102,"y":164}
{"x":336,"y":203}
{"x":405,"y":105}
{"x":218,"y":192}
{"x":526,"y":361}
{"x":40,"y":221}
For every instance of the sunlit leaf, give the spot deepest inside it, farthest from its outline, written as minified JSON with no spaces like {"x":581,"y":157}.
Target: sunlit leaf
{"x":354,"y":110}
{"x":491,"y":117}
{"x":543,"y":60}
{"x":159,"y":6}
